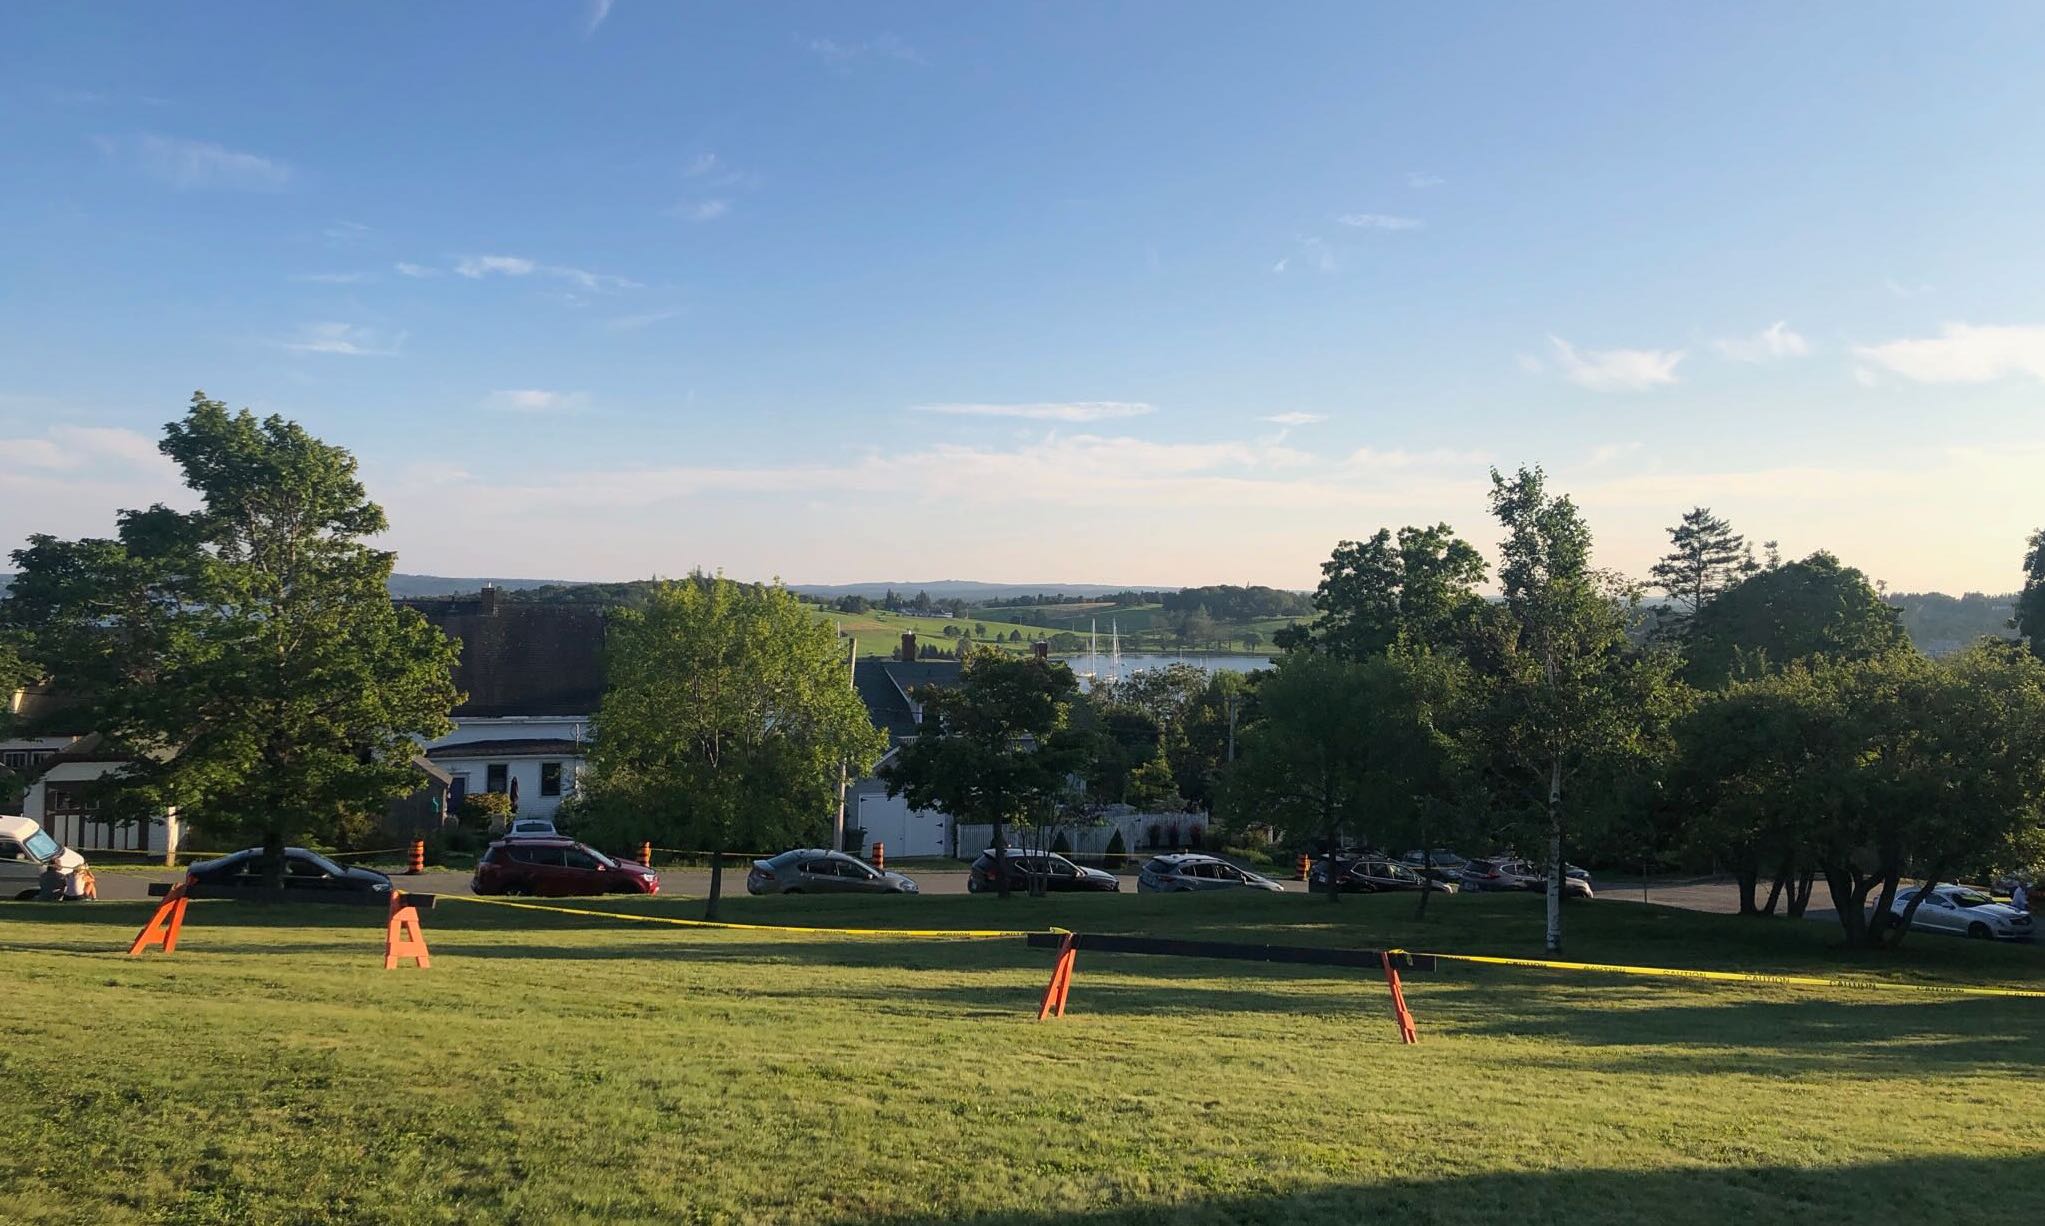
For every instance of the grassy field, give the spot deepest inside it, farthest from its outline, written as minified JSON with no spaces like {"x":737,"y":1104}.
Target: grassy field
{"x":556,"y":1068}
{"x":879,"y":632}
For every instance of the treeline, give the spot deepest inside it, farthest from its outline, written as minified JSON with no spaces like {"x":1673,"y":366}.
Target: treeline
{"x":1938,"y":623}
{"x":1239,"y":604}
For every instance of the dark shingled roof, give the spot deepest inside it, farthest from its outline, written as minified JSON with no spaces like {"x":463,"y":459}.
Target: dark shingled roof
{"x":882,"y":685}
{"x":512,"y":747}
{"x":520,"y":658}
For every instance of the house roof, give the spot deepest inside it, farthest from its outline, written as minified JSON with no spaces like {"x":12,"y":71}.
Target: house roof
{"x":41,"y":709}
{"x":510,"y":747}
{"x":522,"y":658}
{"x":885,"y":685}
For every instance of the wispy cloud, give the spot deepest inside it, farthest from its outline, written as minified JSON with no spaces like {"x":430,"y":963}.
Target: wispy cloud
{"x":701,"y":210}
{"x":1422,"y":179}
{"x":843,"y":54}
{"x":1616,"y":370}
{"x":1379,"y":221}
{"x":1295,"y":419}
{"x":536,"y":400}
{"x":1075,"y":410}
{"x":333,"y":278}
{"x":1963,"y":353}
{"x":1608,"y":452}
{"x":1313,"y":250}
{"x":632,"y":323}
{"x":1772,"y":342}
{"x":346,"y":339}
{"x":407,"y":269}
{"x":1439,"y":457}
{"x":1901,"y":290}
{"x":593,"y":14}
{"x":345,"y":231}
{"x":476,"y":267}
{"x":189,"y":164}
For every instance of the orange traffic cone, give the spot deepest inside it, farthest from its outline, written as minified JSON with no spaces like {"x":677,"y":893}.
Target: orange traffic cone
{"x":164,"y":926}
{"x":418,"y":859}
{"x":402,"y":938}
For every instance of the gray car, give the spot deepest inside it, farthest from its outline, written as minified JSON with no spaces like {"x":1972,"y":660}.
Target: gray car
{"x":1186,"y":872}
{"x":816,"y":871}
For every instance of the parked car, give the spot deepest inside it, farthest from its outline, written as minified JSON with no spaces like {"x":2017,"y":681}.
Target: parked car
{"x":1509,"y":874}
{"x":307,"y":874}
{"x":1966,"y":910}
{"x":815,"y":871}
{"x":1371,"y":875}
{"x":1440,"y":858}
{"x":1056,"y":872}
{"x":1184,"y":872}
{"x":26,"y":852}
{"x":531,"y":828}
{"x":558,"y":868}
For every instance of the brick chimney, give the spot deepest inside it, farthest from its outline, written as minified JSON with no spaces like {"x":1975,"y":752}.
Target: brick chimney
{"x":488,"y":599}
{"x":909,"y":646}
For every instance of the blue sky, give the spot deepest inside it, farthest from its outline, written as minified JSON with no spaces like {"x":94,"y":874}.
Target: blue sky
{"x":1147,"y":293}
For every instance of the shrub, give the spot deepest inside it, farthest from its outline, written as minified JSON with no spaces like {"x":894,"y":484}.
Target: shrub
{"x":1253,"y":856}
{"x":1118,"y":852}
{"x":480,"y":810}
{"x":1061,"y":844}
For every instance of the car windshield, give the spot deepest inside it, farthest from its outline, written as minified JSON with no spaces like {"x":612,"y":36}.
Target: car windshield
{"x":601,"y":858}
{"x":325,"y":865}
{"x":1969,"y":898}
{"x":41,"y":846}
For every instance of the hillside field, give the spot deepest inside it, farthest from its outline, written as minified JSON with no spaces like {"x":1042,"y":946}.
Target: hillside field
{"x":577,"y":1068}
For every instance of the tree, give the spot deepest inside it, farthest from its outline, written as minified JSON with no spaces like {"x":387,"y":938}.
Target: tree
{"x":1117,"y":853}
{"x":1420,"y":586}
{"x":1707,"y":558}
{"x":1788,"y":613}
{"x":2030,"y":610}
{"x":1568,"y":697}
{"x":1152,"y":789}
{"x":998,"y":748}
{"x":726,"y":720}
{"x":247,"y":654}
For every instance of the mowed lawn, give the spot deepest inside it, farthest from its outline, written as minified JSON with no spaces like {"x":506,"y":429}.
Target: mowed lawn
{"x":558,"y":1068}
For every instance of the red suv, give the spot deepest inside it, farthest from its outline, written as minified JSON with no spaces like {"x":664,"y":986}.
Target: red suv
{"x":557,"y":868}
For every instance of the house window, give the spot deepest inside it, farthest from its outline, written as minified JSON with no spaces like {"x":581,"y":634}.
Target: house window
{"x":14,"y":759}
{"x":550,"y":778}
{"x":497,"y":777}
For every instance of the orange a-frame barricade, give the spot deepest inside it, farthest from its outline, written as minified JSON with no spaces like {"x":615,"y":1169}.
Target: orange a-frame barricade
{"x":402,"y":937}
{"x":1069,"y":944}
{"x":163,"y":927}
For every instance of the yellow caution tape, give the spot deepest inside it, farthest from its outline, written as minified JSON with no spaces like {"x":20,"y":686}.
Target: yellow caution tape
{"x":1799,"y":981}
{"x":912,"y":933}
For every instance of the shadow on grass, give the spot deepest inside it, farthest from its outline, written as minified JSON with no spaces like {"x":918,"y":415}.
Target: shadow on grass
{"x":1897,"y":1190}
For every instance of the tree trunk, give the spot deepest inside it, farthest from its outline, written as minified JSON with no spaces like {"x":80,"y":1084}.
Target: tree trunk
{"x":273,"y":860}
{"x":1902,"y":926}
{"x":1800,"y":892}
{"x":1748,"y":874}
{"x":716,"y":884}
{"x":1852,"y":917}
{"x":1001,"y":857}
{"x":1555,"y":857}
{"x":1426,"y":874}
{"x":1782,"y":878}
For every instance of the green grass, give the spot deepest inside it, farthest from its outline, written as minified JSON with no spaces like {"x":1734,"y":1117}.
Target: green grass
{"x":879,"y":632}
{"x":554,"y":1068}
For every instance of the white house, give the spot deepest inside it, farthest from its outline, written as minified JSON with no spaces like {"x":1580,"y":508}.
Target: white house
{"x":531,"y":676}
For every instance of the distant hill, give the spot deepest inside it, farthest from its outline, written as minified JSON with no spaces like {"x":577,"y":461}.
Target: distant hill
{"x":967,"y":590}
{"x":1940,"y":624}
{"x":408,"y":586}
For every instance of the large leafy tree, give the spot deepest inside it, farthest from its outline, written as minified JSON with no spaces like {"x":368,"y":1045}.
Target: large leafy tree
{"x":1787,"y":613}
{"x":1570,"y":701}
{"x":2030,"y":611}
{"x":725,"y":721}
{"x":1419,"y":587}
{"x":1705,"y":558}
{"x":1000,"y":748}
{"x":247,"y":653}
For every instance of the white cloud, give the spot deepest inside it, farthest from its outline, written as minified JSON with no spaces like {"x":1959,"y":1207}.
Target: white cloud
{"x":1608,"y":452}
{"x":1421,"y":179}
{"x":536,"y":400}
{"x":476,"y":267}
{"x":1283,"y":263}
{"x":701,"y":210}
{"x":346,"y":339}
{"x":842,"y":55}
{"x":1311,"y":249}
{"x":407,"y":269}
{"x":1963,"y":353}
{"x":1529,"y":363}
{"x":1295,"y":418}
{"x":1616,"y":370}
{"x":594,"y":12}
{"x":632,"y":323}
{"x":1379,"y":221}
{"x":1073,"y":411}
{"x":187,"y":164}
{"x":68,"y":480}
{"x":333,"y":278}
{"x":1440,"y":457}
{"x":1865,"y":377}
{"x":1774,"y":341}
{"x":345,"y":231}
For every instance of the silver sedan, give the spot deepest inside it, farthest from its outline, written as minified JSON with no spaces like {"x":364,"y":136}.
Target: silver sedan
{"x":815,"y":871}
{"x":1965,"y":910}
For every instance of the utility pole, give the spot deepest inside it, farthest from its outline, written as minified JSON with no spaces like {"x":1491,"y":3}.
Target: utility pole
{"x":851,"y":671}
{"x":1230,"y":703}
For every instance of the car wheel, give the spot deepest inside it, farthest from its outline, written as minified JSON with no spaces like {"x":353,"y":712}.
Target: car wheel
{"x":972,"y":885}
{"x":1980,"y":931}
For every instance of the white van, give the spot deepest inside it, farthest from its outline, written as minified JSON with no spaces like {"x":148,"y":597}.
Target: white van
{"x":25,"y":848}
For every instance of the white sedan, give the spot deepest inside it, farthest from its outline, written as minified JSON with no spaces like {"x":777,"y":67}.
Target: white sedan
{"x":1966,"y":910}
